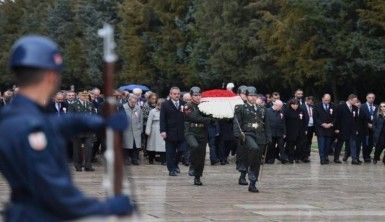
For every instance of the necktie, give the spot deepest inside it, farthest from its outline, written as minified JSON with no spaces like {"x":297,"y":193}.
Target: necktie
{"x":371,"y":109}
{"x":310,"y":111}
{"x":177,"y":105}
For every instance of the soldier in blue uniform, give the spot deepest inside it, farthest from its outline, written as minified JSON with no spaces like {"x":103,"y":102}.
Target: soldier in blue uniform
{"x":33,"y":143}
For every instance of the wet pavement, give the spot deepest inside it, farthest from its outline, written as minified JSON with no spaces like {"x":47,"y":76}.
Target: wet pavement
{"x":298,"y":192}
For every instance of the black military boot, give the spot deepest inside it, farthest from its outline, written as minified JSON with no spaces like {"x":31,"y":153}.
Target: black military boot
{"x":191,"y":172}
{"x":252,"y":187}
{"x":197,"y":181}
{"x":242,"y":179}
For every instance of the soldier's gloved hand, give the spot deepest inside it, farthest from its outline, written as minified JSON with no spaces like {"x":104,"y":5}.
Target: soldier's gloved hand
{"x":242,"y":137}
{"x":118,"y":121}
{"x":120,"y":205}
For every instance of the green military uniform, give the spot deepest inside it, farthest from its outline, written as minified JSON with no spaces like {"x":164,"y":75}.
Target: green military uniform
{"x":257,"y":134}
{"x":196,"y":137}
{"x":87,"y":138}
{"x":242,"y":152}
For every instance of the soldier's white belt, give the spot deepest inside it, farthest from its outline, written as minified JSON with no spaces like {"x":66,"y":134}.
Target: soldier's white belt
{"x":197,"y":125}
{"x":253,"y":125}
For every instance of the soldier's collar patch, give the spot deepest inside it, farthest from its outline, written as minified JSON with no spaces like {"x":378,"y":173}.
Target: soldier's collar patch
{"x":37,"y":141}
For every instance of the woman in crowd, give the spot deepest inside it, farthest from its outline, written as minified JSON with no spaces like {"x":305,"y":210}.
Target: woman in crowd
{"x":155,"y":143}
{"x":152,"y":99}
{"x":132,"y":136}
{"x":295,"y":130}
{"x":379,"y":133}
{"x":149,"y":105}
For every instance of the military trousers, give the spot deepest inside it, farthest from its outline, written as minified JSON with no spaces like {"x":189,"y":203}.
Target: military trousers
{"x":241,"y":156}
{"x":197,"y":153}
{"x":254,"y":155}
{"x":82,"y":154}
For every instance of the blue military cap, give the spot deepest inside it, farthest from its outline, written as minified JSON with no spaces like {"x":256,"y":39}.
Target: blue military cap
{"x":36,"y":52}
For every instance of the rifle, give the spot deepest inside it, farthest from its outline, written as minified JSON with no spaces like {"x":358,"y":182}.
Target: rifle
{"x":113,"y":181}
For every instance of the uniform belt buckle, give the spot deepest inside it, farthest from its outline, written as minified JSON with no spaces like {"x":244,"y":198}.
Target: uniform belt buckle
{"x":254,"y":125}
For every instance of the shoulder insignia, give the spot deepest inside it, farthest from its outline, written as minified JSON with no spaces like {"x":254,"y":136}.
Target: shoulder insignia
{"x":37,"y":141}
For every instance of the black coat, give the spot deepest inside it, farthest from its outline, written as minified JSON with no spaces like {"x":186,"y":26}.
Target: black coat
{"x":172,"y":121}
{"x":226,"y":129}
{"x":51,"y":108}
{"x":365,"y":111}
{"x":346,"y":122}
{"x":321,"y":116}
{"x":378,"y":125}
{"x":295,"y":123}
{"x":365,"y":118}
{"x":362,"y":123}
{"x":277,"y":122}
{"x":98,"y":103}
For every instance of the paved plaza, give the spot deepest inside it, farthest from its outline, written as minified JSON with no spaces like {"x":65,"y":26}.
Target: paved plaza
{"x":298,"y":192}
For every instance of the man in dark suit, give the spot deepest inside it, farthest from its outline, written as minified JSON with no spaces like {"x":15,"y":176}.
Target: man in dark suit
{"x":278,"y":132}
{"x":363,"y":129}
{"x":324,"y":116}
{"x":172,"y":128}
{"x":97,"y":99}
{"x":58,"y":105}
{"x":274,"y":96}
{"x":308,"y":109}
{"x":346,"y":127}
{"x":367,"y":112}
{"x":70,"y":97}
{"x":298,"y":94}
{"x":98,"y":102}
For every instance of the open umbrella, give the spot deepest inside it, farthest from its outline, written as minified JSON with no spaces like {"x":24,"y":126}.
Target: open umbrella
{"x":130,"y":87}
{"x":219,"y":103}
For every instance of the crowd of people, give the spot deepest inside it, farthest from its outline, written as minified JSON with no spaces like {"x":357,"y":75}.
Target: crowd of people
{"x":157,"y":127}
{"x":35,"y":129}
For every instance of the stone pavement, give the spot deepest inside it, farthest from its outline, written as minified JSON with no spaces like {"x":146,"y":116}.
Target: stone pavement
{"x":299,"y":192}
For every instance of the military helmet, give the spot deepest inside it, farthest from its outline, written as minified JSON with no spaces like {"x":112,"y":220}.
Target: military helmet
{"x":195,"y":91}
{"x":251,"y":91}
{"x":36,"y":52}
{"x":242,"y":89}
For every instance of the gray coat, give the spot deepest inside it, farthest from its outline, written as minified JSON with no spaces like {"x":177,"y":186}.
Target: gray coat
{"x":154,"y":142}
{"x":135,"y":128}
